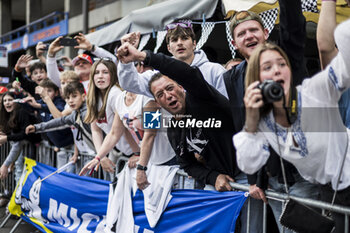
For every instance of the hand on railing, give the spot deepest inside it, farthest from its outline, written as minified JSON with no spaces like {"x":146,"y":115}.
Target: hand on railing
{"x":133,"y":160}
{"x":222,"y":183}
{"x":30,"y":129}
{"x":257,"y":193}
{"x":107,"y":165}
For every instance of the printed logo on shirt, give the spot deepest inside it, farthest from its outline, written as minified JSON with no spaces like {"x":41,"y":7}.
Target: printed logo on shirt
{"x":152,"y":120}
{"x":102,"y":120}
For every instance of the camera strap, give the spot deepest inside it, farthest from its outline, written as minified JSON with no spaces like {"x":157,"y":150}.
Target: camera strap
{"x":292,"y":109}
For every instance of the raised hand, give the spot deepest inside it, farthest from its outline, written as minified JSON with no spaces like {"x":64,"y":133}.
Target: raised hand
{"x":127,"y":53}
{"x":253,"y":101}
{"x":83,"y":42}
{"x":23,"y":62}
{"x":133,"y":38}
{"x":55,"y":47}
{"x":40,"y":48}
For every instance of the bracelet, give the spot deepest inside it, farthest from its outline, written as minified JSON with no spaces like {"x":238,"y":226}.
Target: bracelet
{"x":137,"y":153}
{"x":50,"y":55}
{"x":98,"y":158}
{"x":140,"y":167}
{"x":93,"y":47}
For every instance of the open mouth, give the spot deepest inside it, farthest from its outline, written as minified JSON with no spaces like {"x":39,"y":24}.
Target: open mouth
{"x":180,"y":50}
{"x":280,"y":82}
{"x":252,"y":44}
{"x":172,"y":103}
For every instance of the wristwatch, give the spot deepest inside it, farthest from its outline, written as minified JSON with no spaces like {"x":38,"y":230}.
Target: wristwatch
{"x":140,"y":167}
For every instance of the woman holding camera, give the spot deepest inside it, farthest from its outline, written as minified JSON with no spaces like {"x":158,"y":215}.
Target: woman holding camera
{"x":304,"y":127}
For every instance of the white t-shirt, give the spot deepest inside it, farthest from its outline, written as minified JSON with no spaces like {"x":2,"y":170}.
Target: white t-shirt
{"x":106,"y":123}
{"x":161,"y":150}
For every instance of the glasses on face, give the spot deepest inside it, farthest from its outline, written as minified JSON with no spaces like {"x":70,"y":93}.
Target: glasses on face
{"x":174,"y":25}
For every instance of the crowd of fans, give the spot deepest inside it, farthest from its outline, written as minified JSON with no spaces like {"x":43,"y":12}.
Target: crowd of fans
{"x":95,"y":106}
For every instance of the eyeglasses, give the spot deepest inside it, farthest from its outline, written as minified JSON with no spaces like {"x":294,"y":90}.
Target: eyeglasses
{"x":103,"y":58}
{"x":136,"y":63}
{"x":182,"y":24}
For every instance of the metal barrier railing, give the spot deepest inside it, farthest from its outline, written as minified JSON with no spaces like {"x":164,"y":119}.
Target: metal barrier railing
{"x":47,"y":150}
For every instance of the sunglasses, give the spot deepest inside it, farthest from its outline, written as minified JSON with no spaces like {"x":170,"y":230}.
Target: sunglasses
{"x":174,"y":25}
{"x":103,"y":58}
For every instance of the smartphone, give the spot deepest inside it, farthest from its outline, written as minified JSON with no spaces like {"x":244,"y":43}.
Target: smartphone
{"x":68,"y":42}
{"x":46,"y":46}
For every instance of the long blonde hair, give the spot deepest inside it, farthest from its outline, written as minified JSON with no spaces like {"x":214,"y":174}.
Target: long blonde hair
{"x":253,"y":68}
{"x":94,"y":94}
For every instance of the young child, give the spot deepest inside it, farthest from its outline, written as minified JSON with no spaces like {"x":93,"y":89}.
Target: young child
{"x":75,"y":97}
{"x":37,"y":70}
{"x":60,"y":138}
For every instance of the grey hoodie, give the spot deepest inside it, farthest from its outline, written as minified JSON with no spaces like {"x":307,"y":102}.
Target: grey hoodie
{"x":132,"y":81}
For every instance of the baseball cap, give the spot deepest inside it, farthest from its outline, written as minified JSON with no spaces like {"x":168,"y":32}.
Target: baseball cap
{"x":3,"y":89}
{"x":82,"y":57}
{"x":243,"y":16}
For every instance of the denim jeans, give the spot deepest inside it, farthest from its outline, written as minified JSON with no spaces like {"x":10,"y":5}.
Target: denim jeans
{"x":256,"y":210}
{"x":301,"y":188}
{"x":63,"y":157}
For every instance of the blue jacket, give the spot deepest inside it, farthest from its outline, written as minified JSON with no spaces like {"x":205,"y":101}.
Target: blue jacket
{"x":60,"y":138}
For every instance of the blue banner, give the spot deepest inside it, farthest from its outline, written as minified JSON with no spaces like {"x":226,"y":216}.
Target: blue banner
{"x":63,"y":202}
{"x":193,"y":211}
{"x":66,"y":203}
{"x":30,"y":39}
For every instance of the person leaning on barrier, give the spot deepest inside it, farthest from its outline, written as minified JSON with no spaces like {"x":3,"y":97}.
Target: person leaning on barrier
{"x":318,"y":156}
{"x":14,"y":118}
{"x":212,"y":144}
{"x":75,"y":97}
{"x":248,"y":32}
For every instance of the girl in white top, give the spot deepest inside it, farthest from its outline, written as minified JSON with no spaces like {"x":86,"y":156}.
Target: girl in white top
{"x":103,"y":92}
{"x":155,"y":147}
{"x":317,"y":140}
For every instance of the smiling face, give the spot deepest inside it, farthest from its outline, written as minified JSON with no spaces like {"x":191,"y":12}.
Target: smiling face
{"x":274,"y":66}
{"x":182,"y":48}
{"x":247,"y":36}
{"x":38,"y":75}
{"x":169,"y":95}
{"x":102,"y":77}
{"x":8,"y":103}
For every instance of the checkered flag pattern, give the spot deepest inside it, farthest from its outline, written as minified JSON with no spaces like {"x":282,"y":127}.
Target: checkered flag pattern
{"x":207,"y":28}
{"x":269,"y":18}
{"x":143,"y":41}
{"x":309,"y":5}
{"x":229,"y":39}
{"x":160,"y":38}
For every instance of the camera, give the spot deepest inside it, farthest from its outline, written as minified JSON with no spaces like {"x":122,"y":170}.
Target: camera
{"x":271,"y":91}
